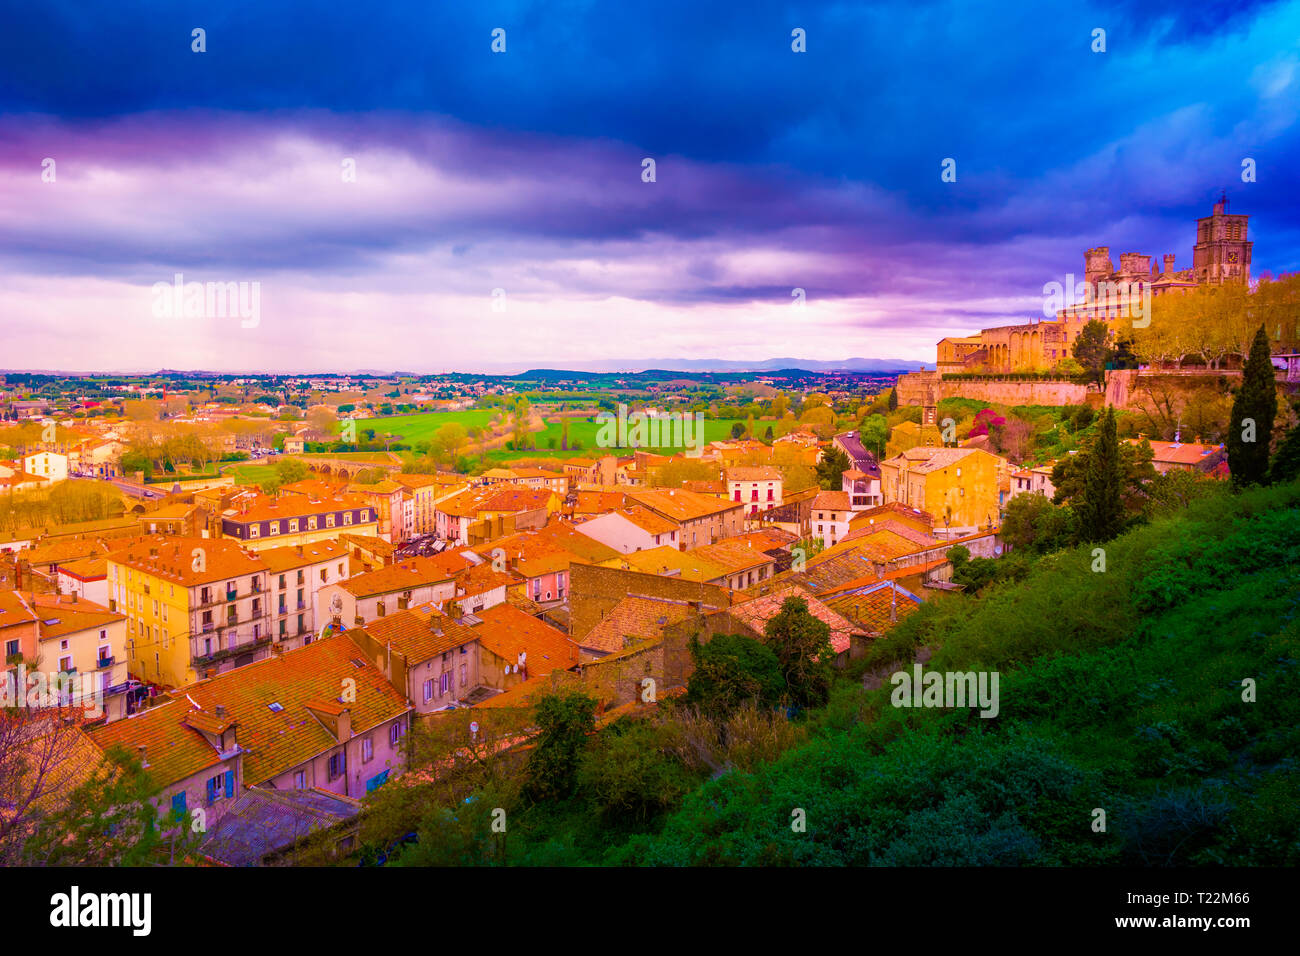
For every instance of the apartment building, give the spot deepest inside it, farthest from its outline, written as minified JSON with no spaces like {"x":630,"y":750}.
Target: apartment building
{"x":296,"y":574}
{"x":757,"y":487}
{"x":194,"y":606}
{"x":263,"y":522}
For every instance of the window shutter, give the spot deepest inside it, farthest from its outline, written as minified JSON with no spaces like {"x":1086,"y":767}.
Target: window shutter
{"x":212,"y":791}
{"x":178,"y":802}
{"x":230,"y":783}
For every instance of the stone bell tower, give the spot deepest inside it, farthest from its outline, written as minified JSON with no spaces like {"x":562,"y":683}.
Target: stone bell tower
{"x":1221,"y":253}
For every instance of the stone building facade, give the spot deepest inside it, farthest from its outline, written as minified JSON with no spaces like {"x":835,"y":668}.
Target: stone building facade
{"x":1112,"y":295}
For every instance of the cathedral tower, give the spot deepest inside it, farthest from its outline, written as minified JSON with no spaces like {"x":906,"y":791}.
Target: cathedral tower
{"x":1221,"y":253}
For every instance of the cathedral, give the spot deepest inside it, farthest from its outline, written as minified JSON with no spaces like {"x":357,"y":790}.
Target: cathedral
{"x":1221,"y":254}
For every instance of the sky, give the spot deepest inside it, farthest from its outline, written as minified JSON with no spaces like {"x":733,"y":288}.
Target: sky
{"x":400,"y":196}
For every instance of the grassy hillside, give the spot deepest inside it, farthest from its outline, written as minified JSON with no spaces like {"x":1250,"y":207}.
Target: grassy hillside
{"x":1120,"y":693}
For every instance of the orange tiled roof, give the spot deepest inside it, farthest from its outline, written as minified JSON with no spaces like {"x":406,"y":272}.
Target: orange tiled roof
{"x":648,"y":521}
{"x":597,"y":502}
{"x":61,"y":615}
{"x":86,"y":569}
{"x":758,"y":612}
{"x":482,"y":578}
{"x":414,"y":572}
{"x":172,"y":750}
{"x":421,"y":633}
{"x":273,"y":741}
{"x":634,"y":617}
{"x":873,"y":611}
{"x":171,"y":558}
{"x":752,"y":473}
{"x":680,"y":504}
{"x":507,"y":631}
{"x":291,"y":557}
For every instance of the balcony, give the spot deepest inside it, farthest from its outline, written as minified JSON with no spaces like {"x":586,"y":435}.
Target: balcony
{"x":231,"y":595}
{"x":202,"y":660}
{"x":105,"y":662}
{"x":302,"y":605}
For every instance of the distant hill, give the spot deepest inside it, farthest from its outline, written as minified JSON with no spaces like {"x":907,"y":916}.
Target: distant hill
{"x":765,"y":365}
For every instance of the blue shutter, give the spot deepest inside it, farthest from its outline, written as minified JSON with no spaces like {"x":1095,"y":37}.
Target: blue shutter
{"x":178,"y":802}
{"x":212,"y":792}
{"x":230,"y":783}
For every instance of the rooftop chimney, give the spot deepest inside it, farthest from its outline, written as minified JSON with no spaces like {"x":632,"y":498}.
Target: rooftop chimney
{"x":1169,"y":264}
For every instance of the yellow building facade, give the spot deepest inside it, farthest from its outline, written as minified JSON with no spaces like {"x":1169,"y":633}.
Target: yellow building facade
{"x":957,"y":487}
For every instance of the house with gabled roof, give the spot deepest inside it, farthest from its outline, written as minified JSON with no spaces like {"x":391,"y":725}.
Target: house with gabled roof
{"x":321,"y":716}
{"x":633,"y":528}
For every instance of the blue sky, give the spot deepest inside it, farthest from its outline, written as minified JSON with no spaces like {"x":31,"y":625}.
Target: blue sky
{"x":521,"y":171}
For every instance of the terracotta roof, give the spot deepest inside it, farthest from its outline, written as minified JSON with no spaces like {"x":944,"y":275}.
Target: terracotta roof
{"x":288,"y":558}
{"x":171,"y":558}
{"x":767,"y":539}
{"x":411,"y":573}
{"x":369,"y":542}
{"x":597,"y":502}
{"x":482,"y":578}
{"x":758,"y":612}
{"x":637,"y":618}
{"x":705,"y":487}
{"x":752,"y":473}
{"x":59,"y":552}
{"x":86,"y":569}
{"x":272,"y":741}
{"x":688,"y":565}
{"x":923,"y":460}
{"x":920,"y":519}
{"x":831,"y":501}
{"x":507,"y":631}
{"x":421,"y":633}
{"x":648,"y":521}
{"x":1181,"y":453}
{"x":61,"y":615}
{"x":679,"y":504}
{"x":872,"y":610}
{"x":172,"y":750}
{"x":523,"y":694}
{"x":14,"y":609}
{"x":731,"y":554}
{"x":549,"y":549}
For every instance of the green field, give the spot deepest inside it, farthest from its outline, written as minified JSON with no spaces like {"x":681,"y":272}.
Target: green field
{"x":248,"y":473}
{"x":421,"y":427}
{"x":586,"y":432}
{"x":415,"y":428}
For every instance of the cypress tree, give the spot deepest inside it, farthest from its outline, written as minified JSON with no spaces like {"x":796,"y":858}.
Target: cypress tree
{"x":1253,"y":409}
{"x":892,"y":403}
{"x":1101,"y":506}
